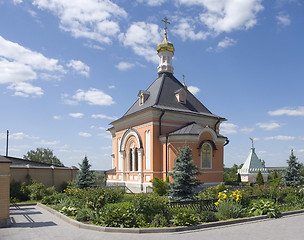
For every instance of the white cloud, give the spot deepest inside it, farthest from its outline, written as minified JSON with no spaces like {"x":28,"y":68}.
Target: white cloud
{"x":111,"y":86}
{"x":106,"y":148}
{"x":226,"y":42}
{"x":76,"y":115}
{"x":152,"y":2}
{"x":92,"y":96}
{"x":13,"y":72}
{"x":123,"y":66}
{"x":57,"y":117}
{"x":19,"y":64}
{"x":228,"y":128}
{"x":246,"y":130}
{"x":24,"y":89}
{"x":281,"y":138}
{"x":17,"y":53}
{"x":299,"y":111}
{"x":94,"y":46}
{"x":49,"y":143}
{"x":79,"y":67}
{"x":283,"y":19}
{"x":84,"y":134}
{"x":96,"y":20}
{"x":227,"y":15}
{"x":17,"y":1}
{"x":103,"y":116}
{"x":17,"y":136}
{"x":269,"y":126}
{"x":143,"y":38}
{"x":186,"y":30}
{"x":105,"y":135}
{"x":194,"y":90}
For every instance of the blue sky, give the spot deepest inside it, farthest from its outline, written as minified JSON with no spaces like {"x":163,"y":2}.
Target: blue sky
{"x":69,"y":68}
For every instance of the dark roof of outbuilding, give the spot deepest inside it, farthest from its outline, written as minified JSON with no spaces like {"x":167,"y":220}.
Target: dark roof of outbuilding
{"x":162,"y":96}
{"x":190,"y":129}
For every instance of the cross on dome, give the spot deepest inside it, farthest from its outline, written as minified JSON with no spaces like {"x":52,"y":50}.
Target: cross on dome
{"x":165,"y":51}
{"x":165,"y":20}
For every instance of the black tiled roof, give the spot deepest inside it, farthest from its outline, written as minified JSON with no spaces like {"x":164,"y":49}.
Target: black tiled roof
{"x":162,"y":96}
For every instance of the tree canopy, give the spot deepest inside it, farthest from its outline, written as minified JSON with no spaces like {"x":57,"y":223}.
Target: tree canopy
{"x":43,"y":155}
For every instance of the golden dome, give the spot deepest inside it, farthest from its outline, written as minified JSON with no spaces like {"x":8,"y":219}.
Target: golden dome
{"x":165,"y":45}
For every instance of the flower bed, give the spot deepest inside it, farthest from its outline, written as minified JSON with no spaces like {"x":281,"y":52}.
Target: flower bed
{"x":114,"y":208}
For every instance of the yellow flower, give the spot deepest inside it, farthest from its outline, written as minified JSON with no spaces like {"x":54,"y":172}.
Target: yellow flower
{"x":101,"y":197}
{"x":225,"y":196}
{"x":217,"y":203}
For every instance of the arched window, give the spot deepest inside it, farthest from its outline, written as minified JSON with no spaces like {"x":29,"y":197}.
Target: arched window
{"x":135,"y":160}
{"x":206,"y":156}
{"x":130,"y":160}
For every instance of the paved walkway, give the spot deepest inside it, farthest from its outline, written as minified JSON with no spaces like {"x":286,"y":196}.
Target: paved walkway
{"x":33,"y":223}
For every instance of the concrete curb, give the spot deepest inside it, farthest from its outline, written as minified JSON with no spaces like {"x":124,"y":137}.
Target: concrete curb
{"x":157,"y":230}
{"x":22,"y":204}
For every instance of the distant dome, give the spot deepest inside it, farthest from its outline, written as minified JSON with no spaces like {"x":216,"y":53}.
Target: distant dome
{"x":165,"y":45}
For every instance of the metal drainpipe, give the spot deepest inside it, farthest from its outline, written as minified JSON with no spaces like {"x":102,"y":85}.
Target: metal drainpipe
{"x":160,"y":132}
{"x":215,"y":125}
{"x":160,"y":118}
{"x":166,"y":155}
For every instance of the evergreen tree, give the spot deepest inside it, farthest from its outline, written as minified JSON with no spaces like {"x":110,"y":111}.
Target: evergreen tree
{"x":239,"y":179}
{"x":260,"y":179}
{"x":292,"y":176}
{"x":85,"y":177}
{"x":184,"y":176}
{"x":274,"y":179}
{"x":159,"y":186}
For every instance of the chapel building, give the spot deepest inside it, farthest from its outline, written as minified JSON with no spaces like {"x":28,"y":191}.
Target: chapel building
{"x":145,"y":140}
{"x":251,"y":167}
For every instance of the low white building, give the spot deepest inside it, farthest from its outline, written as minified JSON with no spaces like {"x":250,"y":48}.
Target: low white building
{"x":251,"y":167}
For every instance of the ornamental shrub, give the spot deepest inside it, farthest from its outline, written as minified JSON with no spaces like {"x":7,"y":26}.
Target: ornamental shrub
{"x":150,"y":205}
{"x":159,"y":220}
{"x":264,"y":207}
{"x":208,"y":193}
{"x":208,"y":216}
{"x":159,"y":186}
{"x":113,"y":195}
{"x":184,"y":217}
{"x":37,"y":190}
{"x":84,"y":214}
{"x":18,"y":192}
{"x":229,"y":205}
{"x":291,"y":199}
{"x":69,"y":211}
{"x":53,"y":199}
{"x":121,"y":214}
{"x":229,"y":209}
